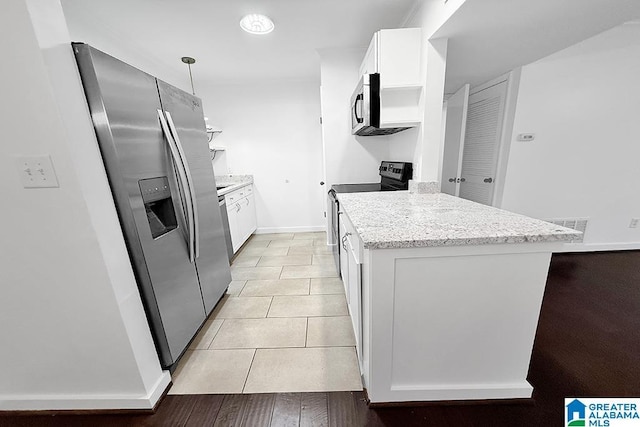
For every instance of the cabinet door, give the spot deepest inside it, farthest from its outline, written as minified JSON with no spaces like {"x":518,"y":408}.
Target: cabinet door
{"x":243,"y":220}
{"x":398,"y":55}
{"x":355,"y":295}
{"x":252,"y":220}
{"x":234,"y":226}
{"x":344,"y":258}
{"x":370,"y":63}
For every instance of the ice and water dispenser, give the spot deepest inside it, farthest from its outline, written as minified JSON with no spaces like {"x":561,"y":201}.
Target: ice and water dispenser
{"x":156,"y":197}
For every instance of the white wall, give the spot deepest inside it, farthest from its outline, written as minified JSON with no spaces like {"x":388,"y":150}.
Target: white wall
{"x":583,"y":105}
{"x":348,"y":159}
{"x":72,"y":337}
{"x":271,"y":130}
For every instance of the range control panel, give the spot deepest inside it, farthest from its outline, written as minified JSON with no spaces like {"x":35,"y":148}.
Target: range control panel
{"x":401,"y":171}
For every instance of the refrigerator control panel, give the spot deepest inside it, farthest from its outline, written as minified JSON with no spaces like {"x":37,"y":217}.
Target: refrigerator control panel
{"x":154,"y":189}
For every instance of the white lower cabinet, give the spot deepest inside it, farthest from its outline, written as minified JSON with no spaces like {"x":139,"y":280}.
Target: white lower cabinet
{"x":241,"y":212}
{"x":247,"y":217}
{"x":355,"y":297}
{"x":351,"y":271}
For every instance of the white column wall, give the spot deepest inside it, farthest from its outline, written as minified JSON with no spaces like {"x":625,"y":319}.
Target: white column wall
{"x":73,"y":333}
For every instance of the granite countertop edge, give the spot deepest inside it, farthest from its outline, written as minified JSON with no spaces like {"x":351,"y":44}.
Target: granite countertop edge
{"x":439,"y":214}
{"x":475,"y":241}
{"x":232,"y":183}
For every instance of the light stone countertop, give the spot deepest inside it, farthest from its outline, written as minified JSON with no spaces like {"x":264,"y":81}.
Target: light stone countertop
{"x":400,"y":219}
{"x":232,"y":182}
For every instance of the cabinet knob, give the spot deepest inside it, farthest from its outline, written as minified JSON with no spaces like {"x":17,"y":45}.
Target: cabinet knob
{"x":452,"y":180}
{"x":321,"y":182}
{"x":488,"y":180}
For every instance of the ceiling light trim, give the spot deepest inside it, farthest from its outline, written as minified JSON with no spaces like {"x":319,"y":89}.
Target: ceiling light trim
{"x":255,"y":23}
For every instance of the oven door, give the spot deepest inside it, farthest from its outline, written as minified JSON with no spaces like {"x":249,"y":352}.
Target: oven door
{"x":360,"y":105}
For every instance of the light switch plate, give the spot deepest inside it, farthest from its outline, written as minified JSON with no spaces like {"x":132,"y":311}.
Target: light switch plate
{"x":36,"y":171}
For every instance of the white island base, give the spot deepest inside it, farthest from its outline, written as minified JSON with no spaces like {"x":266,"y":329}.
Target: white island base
{"x":450,"y":323}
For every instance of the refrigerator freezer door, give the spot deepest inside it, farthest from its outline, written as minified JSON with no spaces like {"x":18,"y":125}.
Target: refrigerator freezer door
{"x":124,"y":102}
{"x":212,"y":264}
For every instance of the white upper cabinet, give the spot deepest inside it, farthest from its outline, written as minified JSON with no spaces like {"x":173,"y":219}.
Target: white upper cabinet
{"x":370,"y":62}
{"x":396,"y":55}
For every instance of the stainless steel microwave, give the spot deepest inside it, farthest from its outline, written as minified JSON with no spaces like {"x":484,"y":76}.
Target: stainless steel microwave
{"x":365,"y":108}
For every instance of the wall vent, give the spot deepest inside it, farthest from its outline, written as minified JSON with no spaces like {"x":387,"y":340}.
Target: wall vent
{"x":579,"y":224}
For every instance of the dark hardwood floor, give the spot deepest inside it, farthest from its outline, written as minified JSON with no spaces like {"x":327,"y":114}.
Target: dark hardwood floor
{"x":587,"y":344}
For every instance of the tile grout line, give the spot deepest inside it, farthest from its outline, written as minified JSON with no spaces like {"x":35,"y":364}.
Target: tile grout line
{"x":242,"y":289}
{"x":215,"y":335}
{"x":268,"y":309}
{"x":255,"y":350}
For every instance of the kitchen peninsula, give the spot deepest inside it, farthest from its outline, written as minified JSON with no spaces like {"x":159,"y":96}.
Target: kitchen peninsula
{"x":445,"y":294}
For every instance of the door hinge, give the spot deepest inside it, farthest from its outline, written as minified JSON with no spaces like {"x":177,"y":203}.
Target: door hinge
{"x":325,"y":214}
{"x":320,"y":120}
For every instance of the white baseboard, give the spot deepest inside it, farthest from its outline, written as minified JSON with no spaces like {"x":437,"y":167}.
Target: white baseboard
{"x":595,"y":247}
{"x":427,"y":392}
{"x":304,"y":229}
{"x":86,"y":401}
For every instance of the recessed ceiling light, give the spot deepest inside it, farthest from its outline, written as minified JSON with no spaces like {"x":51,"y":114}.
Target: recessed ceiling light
{"x":256,"y":24}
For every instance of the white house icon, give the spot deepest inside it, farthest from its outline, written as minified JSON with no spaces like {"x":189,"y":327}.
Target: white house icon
{"x":575,"y":409}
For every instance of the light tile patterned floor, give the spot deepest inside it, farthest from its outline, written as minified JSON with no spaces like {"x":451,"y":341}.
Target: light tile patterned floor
{"x":283,"y":326}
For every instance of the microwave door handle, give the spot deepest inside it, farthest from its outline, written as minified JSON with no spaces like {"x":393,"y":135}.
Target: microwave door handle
{"x":182,"y":182}
{"x":359,"y":98}
{"x":192,"y":190}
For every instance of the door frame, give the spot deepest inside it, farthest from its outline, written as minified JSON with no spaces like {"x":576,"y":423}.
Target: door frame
{"x":506,"y":136}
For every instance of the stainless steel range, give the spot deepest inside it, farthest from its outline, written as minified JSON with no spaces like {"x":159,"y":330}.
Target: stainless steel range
{"x":394,"y":176}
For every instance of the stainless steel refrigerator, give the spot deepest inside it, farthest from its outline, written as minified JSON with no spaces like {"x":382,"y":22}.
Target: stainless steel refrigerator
{"x":154,"y":145}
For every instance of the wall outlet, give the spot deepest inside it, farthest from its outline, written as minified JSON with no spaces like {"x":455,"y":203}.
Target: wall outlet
{"x":36,"y":171}
{"x":634,"y":223}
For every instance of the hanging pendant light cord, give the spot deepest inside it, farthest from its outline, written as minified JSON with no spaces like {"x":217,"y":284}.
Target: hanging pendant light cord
{"x":193,"y":91}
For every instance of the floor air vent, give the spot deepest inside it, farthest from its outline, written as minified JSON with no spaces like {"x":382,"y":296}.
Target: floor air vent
{"x":579,"y":224}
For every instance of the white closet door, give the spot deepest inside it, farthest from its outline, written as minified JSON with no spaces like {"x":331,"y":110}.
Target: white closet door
{"x":482,"y":142}
{"x":456,"y":122}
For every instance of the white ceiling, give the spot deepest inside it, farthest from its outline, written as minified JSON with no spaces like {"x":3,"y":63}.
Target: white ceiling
{"x":488,"y":38}
{"x":155,"y":34}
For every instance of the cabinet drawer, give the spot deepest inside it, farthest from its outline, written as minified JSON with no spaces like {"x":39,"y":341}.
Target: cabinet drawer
{"x":231,"y":198}
{"x":239,"y":194}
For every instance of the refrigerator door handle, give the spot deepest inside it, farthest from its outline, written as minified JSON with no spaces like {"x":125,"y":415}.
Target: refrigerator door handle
{"x":192,"y":190}
{"x":182,"y":181}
